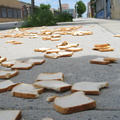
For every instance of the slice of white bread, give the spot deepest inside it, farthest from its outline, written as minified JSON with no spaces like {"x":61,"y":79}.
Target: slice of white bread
{"x":73,"y":49}
{"x":62,"y":44}
{"x":8,"y":73}
{"x":10,"y":41}
{"x":55,"y":35}
{"x":51,"y":98}
{"x":53,"y":51}
{"x":50,"y":76}
{"x":42,"y":49}
{"x":102,"y":45}
{"x":22,"y":66}
{"x":52,"y":55}
{"x":99,"y":61}
{"x":53,"y":85}
{"x":2,"y":59}
{"x":92,"y":88}
{"x":7,"y":85}
{"x":72,"y":103}
{"x":118,"y":35}
{"x":106,"y":50}
{"x":10,"y":115}
{"x":55,"y":39}
{"x":26,"y":91}
{"x":8,"y":63}
{"x":46,"y":37}
{"x":65,"y":54}
{"x":36,"y":61}
{"x":73,"y":45}
{"x":64,"y":47}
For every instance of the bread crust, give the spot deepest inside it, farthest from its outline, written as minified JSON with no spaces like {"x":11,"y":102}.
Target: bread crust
{"x":100,"y":62}
{"x":102,"y":45}
{"x":106,"y":50}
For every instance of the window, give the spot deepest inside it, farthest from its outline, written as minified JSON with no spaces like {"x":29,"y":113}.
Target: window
{"x":4,"y":12}
{"x":15,"y":13}
{"x":10,"y":13}
{"x":19,"y":13}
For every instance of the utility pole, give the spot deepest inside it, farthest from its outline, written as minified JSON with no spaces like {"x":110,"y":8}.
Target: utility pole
{"x":33,"y":6}
{"x":60,"y":6}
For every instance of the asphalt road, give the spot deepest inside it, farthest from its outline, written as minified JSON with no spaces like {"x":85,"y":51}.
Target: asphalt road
{"x":75,"y":69}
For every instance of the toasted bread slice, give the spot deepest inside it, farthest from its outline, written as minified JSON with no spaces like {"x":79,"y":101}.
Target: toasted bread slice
{"x":8,"y":63}
{"x":50,"y":76}
{"x":98,"y":48}
{"x":22,"y":66}
{"x":10,"y":41}
{"x":72,"y":103}
{"x":53,"y":51}
{"x":65,"y":54}
{"x":46,"y":37}
{"x":73,"y":49}
{"x":36,"y":61}
{"x":10,"y":115}
{"x":110,"y":59}
{"x":62,"y":44}
{"x":55,"y":39}
{"x":52,"y":55}
{"x":73,"y":45}
{"x":42,"y":49}
{"x":102,"y":45}
{"x":118,"y":35}
{"x":26,"y":91}
{"x":55,"y":35}
{"x":64,"y":47}
{"x":6,"y":85}
{"x":100,"y":61}
{"x":90,"y":88}
{"x":54,"y":85}
{"x":2,"y":59}
{"x":8,"y":73}
{"x":16,"y":42}
{"x":106,"y":50}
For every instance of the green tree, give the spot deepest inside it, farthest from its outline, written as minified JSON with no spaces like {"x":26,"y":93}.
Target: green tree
{"x":45,"y":7}
{"x":81,"y":8}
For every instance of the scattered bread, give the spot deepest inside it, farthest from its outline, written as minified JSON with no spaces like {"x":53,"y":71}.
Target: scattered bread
{"x":26,"y":91}
{"x":8,"y":73}
{"x":65,"y":54}
{"x":50,"y":76}
{"x":46,"y":37}
{"x":110,"y":59}
{"x":106,"y":50}
{"x":53,"y":85}
{"x":72,"y":103}
{"x":36,"y":61}
{"x":51,"y":98}
{"x":6,"y":85}
{"x":53,"y":51}
{"x":62,"y":44}
{"x":73,"y":49}
{"x":8,"y":63}
{"x":55,"y":39}
{"x":42,"y":49}
{"x":118,"y":35}
{"x":14,"y":43}
{"x":10,"y":115}
{"x":64,"y":47}
{"x":73,"y":45}
{"x":102,"y":45}
{"x":52,"y":55}
{"x":90,"y":88}
{"x":55,"y":35}
{"x":10,"y":41}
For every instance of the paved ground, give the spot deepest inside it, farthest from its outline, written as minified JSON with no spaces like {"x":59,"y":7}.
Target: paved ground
{"x":76,"y":68}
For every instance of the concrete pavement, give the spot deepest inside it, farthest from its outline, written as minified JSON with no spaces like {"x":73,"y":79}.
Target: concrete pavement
{"x":75,"y":69}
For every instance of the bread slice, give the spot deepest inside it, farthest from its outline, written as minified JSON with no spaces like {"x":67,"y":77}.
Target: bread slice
{"x":100,"y":61}
{"x":6,"y":85}
{"x":118,"y":35}
{"x":52,"y":55}
{"x":54,"y":85}
{"x":10,"y":41}
{"x":46,"y":37}
{"x":55,"y":39}
{"x":64,"y":47}
{"x":42,"y":49}
{"x":65,"y":54}
{"x":8,"y":63}
{"x":110,"y":59}
{"x":102,"y":45}
{"x":26,"y":91}
{"x":55,"y":35}
{"x":73,"y":49}
{"x":53,"y":51}
{"x":16,"y":42}
{"x":2,"y":59}
{"x":106,"y":50}
{"x":72,"y":103}
{"x":73,"y":45}
{"x":10,"y":115}
{"x":51,"y":98}
{"x":91,"y":88}
{"x":62,"y":44}
{"x":8,"y":73}
{"x":36,"y":61}
{"x":22,"y":66}
{"x":50,"y":76}
{"x":98,"y":48}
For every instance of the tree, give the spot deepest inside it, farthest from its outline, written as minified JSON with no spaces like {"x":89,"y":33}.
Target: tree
{"x":81,"y":8}
{"x":45,"y":7}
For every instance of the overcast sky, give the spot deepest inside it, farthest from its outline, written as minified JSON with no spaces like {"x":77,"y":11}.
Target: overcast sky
{"x":55,"y":3}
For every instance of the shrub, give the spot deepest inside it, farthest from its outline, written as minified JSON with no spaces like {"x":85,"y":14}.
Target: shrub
{"x":64,"y":17}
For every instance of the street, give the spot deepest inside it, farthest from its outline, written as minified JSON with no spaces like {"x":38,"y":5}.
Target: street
{"x":75,"y":69}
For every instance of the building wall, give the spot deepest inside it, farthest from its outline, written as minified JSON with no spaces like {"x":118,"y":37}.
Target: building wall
{"x":115,"y":9}
{"x":70,"y":11}
{"x":65,"y":6}
{"x":10,"y":10}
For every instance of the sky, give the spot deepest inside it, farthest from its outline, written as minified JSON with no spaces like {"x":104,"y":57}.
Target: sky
{"x":55,"y":3}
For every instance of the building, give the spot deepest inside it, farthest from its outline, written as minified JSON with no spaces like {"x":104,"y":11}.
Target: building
{"x":65,"y":6}
{"x":10,"y":10}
